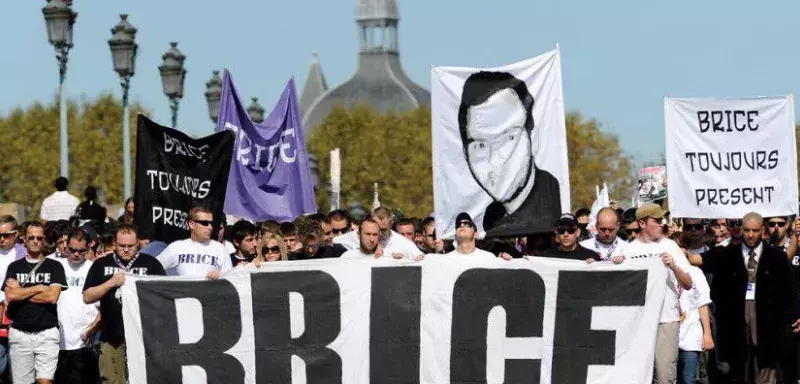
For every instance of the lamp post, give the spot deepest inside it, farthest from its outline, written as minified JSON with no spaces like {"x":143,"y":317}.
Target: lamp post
{"x":123,"y":52}
{"x":255,"y":111}
{"x":60,"y":19}
{"x":213,"y":95}
{"x":313,"y":166}
{"x":172,"y":76}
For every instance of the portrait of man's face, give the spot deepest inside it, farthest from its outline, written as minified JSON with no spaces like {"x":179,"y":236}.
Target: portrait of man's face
{"x":498,"y":148}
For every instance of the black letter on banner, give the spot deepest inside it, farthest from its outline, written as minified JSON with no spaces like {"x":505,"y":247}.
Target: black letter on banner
{"x":575,"y":344}
{"x":222,"y":328}
{"x":521,"y":293}
{"x":394,"y":327}
{"x":273,"y":336}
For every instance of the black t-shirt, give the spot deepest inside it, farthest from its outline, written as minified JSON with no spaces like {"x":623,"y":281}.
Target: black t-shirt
{"x":235,"y":260}
{"x":111,"y":329}
{"x":579,"y":253}
{"x":28,"y":316}
{"x":323,"y":252}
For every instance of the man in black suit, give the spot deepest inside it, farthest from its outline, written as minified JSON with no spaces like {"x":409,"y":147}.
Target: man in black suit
{"x":496,"y":123}
{"x":754,"y":326}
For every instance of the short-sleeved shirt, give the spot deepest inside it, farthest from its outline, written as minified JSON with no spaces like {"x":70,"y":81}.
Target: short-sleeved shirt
{"x":26,"y":315}
{"x":193,"y":258}
{"x":640,"y":250}
{"x":111,"y":328}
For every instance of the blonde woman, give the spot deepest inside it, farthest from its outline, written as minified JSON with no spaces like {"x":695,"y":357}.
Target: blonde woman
{"x":272,"y":248}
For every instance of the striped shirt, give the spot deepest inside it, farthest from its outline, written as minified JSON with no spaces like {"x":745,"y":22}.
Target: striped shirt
{"x":59,"y":206}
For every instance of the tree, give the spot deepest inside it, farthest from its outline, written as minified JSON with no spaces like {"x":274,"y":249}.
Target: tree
{"x":29,"y":149}
{"x":393,"y":150}
{"x":595,"y":157}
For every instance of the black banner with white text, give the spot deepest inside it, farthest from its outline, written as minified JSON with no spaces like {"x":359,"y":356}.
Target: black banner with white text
{"x":174,"y":172}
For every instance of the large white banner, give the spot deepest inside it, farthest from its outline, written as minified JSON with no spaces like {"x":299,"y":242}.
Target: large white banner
{"x":443,"y":320}
{"x":728,"y":157}
{"x":500,"y":147}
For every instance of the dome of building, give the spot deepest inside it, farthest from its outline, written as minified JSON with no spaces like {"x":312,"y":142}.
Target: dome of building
{"x":379,"y":81}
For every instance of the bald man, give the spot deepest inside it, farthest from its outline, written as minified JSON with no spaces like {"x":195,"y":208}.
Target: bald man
{"x":605,"y":242}
{"x":756,"y":308}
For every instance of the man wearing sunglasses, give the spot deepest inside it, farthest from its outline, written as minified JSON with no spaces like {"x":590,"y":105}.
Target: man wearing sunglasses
{"x":10,"y":250}
{"x":78,"y":322}
{"x":105,"y":276}
{"x":652,"y":243}
{"x":567,"y":231}
{"x":781,"y":235}
{"x":32,"y":287}
{"x":312,"y":237}
{"x":466,"y":236}
{"x":199,"y":255}
{"x":340,"y":222}
{"x":606,"y":243}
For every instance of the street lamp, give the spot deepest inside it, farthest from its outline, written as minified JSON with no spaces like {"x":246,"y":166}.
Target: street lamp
{"x":255,"y":111}
{"x":172,"y":76}
{"x":59,"y":19}
{"x":213,"y":95}
{"x":123,"y":52}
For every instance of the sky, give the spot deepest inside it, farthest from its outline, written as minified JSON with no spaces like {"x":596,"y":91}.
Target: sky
{"x":619,"y":58}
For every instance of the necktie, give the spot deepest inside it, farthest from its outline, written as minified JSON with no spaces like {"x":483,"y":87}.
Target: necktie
{"x":751,"y":267}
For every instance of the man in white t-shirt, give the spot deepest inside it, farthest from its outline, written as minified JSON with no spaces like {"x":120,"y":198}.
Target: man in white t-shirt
{"x":10,"y":251}
{"x":605,"y":242}
{"x":197,"y":256}
{"x":388,"y":237}
{"x":369,"y":234}
{"x":466,"y":235}
{"x":78,"y":322}
{"x":652,"y":243}
{"x":695,"y":330}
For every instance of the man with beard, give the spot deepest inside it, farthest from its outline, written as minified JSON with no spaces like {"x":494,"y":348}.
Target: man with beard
{"x":605,"y":242}
{"x":388,"y":238}
{"x":245,"y":240}
{"x":105,"y":276}
{"x":781,"y":235}
{"x":754,"y":326}
{"x":368,"y":239}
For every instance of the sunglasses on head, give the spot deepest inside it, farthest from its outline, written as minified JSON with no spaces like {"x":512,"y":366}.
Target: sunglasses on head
{"x":465,"y":224}
{"x":267,"y":250}
{"x":339,"y":231}
{"x":693,"y":227}
{"x":563,"y":230}
{"x":734,"y":223}
{"x":204,"y":223}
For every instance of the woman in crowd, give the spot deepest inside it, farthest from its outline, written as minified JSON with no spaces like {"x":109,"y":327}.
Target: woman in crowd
{"x":272,"y":248}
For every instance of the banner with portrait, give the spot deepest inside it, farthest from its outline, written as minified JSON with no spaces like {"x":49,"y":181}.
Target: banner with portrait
{"x":500,"y":147}
{"x":652,"y":184}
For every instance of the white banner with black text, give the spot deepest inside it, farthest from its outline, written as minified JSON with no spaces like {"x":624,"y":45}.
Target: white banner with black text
{"x":443,"y":320}
{"x":728,"y":157}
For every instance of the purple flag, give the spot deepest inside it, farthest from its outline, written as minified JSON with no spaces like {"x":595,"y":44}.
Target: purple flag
{"x":269,"y":177}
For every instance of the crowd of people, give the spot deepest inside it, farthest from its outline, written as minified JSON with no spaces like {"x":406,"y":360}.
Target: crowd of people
{"x":62,"y":311}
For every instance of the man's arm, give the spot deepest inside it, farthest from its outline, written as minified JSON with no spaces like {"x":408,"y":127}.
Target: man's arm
{"x":93,"y":294}
{"x":14,"y":294}
{"x":49,"y":296}
{"x":705,"y":321}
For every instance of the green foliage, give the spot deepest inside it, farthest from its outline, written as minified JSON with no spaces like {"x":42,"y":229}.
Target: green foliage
{"x":595,"y":157}
{"x":393,"y":150}
{"x":29,"y":149}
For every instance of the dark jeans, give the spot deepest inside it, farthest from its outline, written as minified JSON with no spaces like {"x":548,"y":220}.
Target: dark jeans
{"x":77,"y":366}
{"x":687,"y":366}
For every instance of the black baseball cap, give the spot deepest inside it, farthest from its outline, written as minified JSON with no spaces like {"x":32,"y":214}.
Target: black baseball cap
{"x":567,"y":220}
{"x":463,"y":216}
